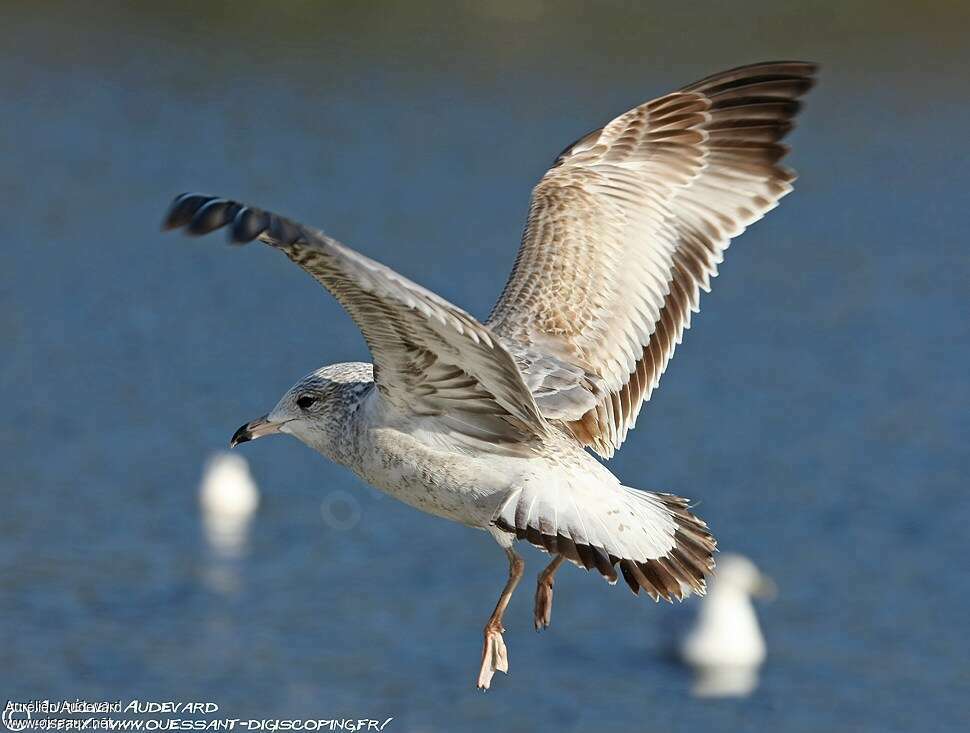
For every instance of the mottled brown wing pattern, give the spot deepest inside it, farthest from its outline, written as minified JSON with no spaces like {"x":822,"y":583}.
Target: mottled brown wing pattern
{"x":631,"y":223}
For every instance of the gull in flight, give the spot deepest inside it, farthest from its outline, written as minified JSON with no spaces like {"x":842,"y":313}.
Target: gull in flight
{"x":488,"y":423}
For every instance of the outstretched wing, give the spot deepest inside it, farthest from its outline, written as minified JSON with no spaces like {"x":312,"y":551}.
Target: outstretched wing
{"x":430,"y":357}
{"x":630,"y":224}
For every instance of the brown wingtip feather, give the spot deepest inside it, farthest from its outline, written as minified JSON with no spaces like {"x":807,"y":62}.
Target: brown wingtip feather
{"x":801,"y":71}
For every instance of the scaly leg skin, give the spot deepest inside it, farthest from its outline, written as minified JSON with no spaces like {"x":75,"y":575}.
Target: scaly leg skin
{"x":543,"y":608}
{"x":495,"y":657}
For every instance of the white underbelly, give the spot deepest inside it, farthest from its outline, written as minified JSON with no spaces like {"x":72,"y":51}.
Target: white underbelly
{"x":454,"y":485}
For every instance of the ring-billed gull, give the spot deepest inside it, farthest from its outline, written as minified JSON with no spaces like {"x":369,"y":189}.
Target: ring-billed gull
{"x":487,"y":424}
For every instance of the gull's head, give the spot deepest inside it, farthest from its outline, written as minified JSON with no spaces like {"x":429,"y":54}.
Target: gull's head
{"x":316,"y":409}
{"x":737,"y":574}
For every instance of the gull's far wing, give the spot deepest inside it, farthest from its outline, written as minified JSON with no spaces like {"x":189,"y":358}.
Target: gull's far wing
{"x":430,"y":357}
{"x":628,"y":226}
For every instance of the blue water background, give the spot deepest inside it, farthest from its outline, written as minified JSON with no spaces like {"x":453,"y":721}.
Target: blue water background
{"x":817,"y":410}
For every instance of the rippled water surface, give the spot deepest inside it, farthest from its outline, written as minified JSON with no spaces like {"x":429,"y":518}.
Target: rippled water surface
{"x":817,"y":411}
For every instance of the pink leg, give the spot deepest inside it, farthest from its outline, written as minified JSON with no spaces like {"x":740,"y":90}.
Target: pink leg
{"x":543,"y":608}
{"x":495,"y":658}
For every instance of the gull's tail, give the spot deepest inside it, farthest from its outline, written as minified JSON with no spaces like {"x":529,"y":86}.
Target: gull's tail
{"x":653,"y":538}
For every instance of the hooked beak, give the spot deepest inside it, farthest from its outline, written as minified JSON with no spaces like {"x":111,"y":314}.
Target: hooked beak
{"x":254,"y":429}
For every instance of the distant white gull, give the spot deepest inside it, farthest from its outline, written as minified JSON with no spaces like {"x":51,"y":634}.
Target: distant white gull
{"x":726,"y":647}
{"x":228,"y":498}
{"x":488,"y":424}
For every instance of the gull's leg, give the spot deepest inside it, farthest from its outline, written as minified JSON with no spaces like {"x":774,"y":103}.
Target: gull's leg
{"x":543,"y":609}
{"x":494,"y":655}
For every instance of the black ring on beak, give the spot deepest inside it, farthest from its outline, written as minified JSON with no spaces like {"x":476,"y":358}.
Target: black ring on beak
{"x":254,"y":429}
{"x":243,"y":435}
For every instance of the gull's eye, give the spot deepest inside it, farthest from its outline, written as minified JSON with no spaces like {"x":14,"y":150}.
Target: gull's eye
{"x":305,"y":402}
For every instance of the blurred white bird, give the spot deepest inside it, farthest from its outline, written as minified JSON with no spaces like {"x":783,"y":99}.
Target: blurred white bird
{"x":228,"y":498}
{"x":726,"y":647}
